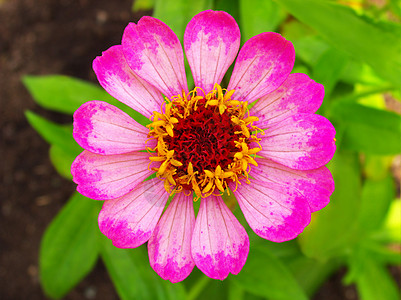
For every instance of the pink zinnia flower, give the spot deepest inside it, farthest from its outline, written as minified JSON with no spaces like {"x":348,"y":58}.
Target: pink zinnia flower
{"x":202,"y":143}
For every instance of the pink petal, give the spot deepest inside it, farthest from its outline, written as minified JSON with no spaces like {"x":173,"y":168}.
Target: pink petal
{"x":170,"y":244}
{"x":220,"y":244}
{"x":117,"y":78}
{"x":130,"y":220}
{"x":263,"y":63}
{"x":298,"y":94}
{"x":211,"y":42}
{"x":274,"y":212}
{"x":154,"y":52}
{"x":316,"y":186}
{"x":302,"y":142}
{"x":104,"y":129}
{"x":104,"y":177}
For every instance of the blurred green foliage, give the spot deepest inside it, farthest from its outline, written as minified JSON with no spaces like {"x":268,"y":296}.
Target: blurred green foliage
{"x":355,"y":51}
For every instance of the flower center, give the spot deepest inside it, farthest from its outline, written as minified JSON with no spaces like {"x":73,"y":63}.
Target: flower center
{"x":204,"y":141}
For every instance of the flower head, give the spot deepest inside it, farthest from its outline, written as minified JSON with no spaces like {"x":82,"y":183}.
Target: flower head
{"x":202,"y":143}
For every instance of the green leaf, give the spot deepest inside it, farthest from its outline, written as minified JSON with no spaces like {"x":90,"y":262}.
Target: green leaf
{"x":133,"y":277}
{"x":395,"y":6}
{"x":69,"y":248}
{"x":62,"y":93}
{"x":350,"y":95}
{"x":54,"y":134}
{"x":311,"y":273}
{"x":61,"y":161}
{"x":259,"y":16}
{"x":382,"y":253}
{"x":393,"y":222}
{"x":377,"y":167}
{"x":368,"y":129}
{"x":206,"y":288}
{"x":363,"y":39}
{"x":309,"y":49}
{"x":372,"y":278}
{"x":66,"y":94}
{"x":357,"y":72}
{"x":328,"y":69}
{"x":375,"y":202}
{"x":265,"y":275}
{"x":63,"y":148}
{"x":235,"y":291}
{"x":332,"y":231}
{"x":177,"y":13}
{"x":374,"y":100}
{"x":283,"y":251}
{"x":229,"y":6}
{"x":139,"y":5}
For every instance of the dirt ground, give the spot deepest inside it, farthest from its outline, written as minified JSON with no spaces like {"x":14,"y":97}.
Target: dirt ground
{"x":52,"y":37}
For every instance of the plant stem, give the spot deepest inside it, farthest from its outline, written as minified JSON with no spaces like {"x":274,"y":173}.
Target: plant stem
{"x":198,"y":287}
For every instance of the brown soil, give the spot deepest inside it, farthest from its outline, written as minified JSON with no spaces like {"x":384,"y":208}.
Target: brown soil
{"x":51,"y":37}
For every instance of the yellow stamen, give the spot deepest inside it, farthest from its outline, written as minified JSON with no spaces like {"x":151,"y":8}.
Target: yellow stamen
{"x":176,"y":110}
{"x":157,"y":158}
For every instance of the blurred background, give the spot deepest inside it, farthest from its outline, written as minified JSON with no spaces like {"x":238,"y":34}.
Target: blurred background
{"x":41,"y":37}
